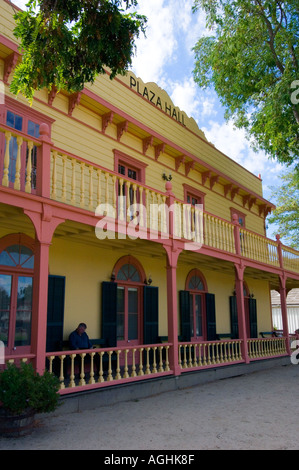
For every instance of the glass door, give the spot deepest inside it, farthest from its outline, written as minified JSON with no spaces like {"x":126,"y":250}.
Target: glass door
{"x":15,"y":312}
{"x":196,"y":320}
{"x":127,"y":315}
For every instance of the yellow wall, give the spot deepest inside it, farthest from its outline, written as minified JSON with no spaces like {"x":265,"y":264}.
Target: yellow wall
{"x":87,"y":266}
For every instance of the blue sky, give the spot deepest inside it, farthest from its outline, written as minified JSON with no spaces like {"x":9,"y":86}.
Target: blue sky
{"x":165,"y":57}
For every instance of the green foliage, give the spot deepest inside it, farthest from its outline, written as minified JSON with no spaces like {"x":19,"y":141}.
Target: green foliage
{"x":68,"y":43}
{"x":21,"y":388}
{"x":286,"y":214}
{"x":252,"y":61}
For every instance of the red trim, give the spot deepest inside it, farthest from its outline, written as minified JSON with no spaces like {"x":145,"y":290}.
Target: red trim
{"x":120,"y":157}
{"x":196,"y":272}
{"x":128,"y":259}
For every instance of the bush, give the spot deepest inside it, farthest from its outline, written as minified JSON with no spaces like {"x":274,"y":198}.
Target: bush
{"x":22,"y":388}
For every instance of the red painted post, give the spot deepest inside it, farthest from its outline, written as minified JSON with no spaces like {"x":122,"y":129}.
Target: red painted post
{"x":40,"y":293}
{"x":237,"y":234}
{"x":172,"y":308}
{"x":239,"y":284}
{"x":45,"y":224}
{"x":43,"y":171}
{"x":284,"y":311}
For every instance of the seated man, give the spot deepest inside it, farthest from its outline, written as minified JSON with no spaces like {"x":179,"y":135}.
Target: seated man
{"x":79,"y":339}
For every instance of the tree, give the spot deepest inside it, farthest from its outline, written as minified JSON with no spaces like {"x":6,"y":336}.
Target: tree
{"x":252,"y":61}
{"x":66,"y":43}
{"x":286,"y":214}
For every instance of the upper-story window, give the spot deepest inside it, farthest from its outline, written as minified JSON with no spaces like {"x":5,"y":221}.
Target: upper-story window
{"x":31,"y":128}
{"x":128,"y":190}
{"x":20,"y":119}
{"x":193,"y":196}
{"x":241,"y":216}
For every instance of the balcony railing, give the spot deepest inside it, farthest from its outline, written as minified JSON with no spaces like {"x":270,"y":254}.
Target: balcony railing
{"x":102,"y":367}
{"x":83,"y":184}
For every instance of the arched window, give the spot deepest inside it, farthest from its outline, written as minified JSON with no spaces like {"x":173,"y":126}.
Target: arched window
{"x":17,"y":256}
{"x":16,"y":292}
{"x":128,"y":272}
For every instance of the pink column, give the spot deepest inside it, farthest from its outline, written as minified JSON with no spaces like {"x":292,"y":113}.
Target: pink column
{"x":239,"y":283}
{"x":43,"y":176}
{"x":45,"y":225}
{"x":172,"y":307}
{"x":284,"y":310}
{"x":40,"y":299}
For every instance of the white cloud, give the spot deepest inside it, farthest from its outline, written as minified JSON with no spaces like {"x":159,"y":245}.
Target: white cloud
{"x":233,"y":143}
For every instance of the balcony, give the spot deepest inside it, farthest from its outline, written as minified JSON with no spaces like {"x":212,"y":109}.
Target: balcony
{"x":126,"y":205}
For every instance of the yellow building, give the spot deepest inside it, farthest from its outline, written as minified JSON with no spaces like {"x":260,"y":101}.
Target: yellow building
{"x":117,"y":212}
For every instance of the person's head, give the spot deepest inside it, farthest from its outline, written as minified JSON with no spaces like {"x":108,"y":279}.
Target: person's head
{"x":81,"y":328}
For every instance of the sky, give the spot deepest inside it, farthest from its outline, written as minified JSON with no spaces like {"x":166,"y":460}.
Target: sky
{"x":165,"y":57}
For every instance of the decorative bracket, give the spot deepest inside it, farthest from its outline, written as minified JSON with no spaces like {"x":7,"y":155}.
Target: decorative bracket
{"x":205,"y":176}
{"x":188,"y":167}
{"x":234,"y":192}
{"x":246,"y":199}
{"x":227,"y":189}
{"x":107,"y":119}
{"x":178,"y":161}
{"x":159,"y":149}
{"x":52,"y":95}
{"x":252,"y":201}
{"x":148,"y":141}
{"x":213,"y":181}
{"x":74,"y":100}
{"x":9,"y":64}
{"x":121,"y":128}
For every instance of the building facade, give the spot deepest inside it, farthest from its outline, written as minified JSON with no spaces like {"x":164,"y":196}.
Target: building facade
{"x":117,"y":212}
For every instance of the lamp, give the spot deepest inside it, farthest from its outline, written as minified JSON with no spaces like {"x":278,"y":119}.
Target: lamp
{"x":166,"y":178}
{"x":148,"y":281}
{"x":112,"y":278}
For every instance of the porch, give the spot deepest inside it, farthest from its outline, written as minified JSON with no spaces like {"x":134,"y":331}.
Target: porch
{"x":77,"y":370}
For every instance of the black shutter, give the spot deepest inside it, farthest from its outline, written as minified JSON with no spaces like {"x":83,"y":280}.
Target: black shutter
{"x":55,"y":313}
{"x":150,"y":315}
{"x":109,"y":313}
{"x":252,"y":318}
{"x":185,"y":315}
{"x":211,"y":316}
{"x":234,"y":325}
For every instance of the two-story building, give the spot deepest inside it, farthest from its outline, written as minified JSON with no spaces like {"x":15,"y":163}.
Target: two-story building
{"x":117,"y":212}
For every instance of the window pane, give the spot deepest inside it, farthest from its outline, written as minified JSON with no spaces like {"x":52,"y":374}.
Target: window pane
{"x":10,"y":119}
{"x":132,"y":174}
{"x":5,"y":259}
{"x":133,"y":313}
{"x":120,"y":312}
{"x":195,"y":283}
{"x":14,"y":252}
{"x":5,"y":298}
{"x":24,"y":311}
{"x":18,"y":122}
{"x":121,"y":169}
{"x":16,"y":255}
{"x":198,"y":315}
{"x":33,"y":129}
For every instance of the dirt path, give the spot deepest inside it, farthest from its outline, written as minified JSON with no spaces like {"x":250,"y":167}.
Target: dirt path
{"x":254,"y":411}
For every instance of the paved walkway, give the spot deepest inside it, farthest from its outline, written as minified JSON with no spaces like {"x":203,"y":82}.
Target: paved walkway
{"x":254,"y":411}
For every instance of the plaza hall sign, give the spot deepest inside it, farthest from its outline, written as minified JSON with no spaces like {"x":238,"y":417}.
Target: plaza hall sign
{"x":153,"y":97}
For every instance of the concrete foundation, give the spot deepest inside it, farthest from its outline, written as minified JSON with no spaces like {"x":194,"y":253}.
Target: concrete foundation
{"x":136,"y":390}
